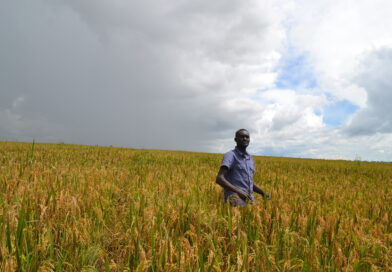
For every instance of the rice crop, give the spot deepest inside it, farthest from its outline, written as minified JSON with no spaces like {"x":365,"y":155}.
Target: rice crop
{"x":90,"y":208}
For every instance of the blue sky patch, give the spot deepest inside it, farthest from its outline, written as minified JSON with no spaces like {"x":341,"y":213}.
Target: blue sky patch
{"x":296,"y":72}
{"x":336,"y":114}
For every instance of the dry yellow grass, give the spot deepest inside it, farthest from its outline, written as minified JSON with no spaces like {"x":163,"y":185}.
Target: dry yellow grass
{"x":85,"y":208}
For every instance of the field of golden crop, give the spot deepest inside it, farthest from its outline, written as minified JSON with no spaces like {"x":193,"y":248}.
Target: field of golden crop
{"x":85,"y":208}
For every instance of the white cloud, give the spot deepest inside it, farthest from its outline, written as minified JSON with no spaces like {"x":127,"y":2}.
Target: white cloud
{"x":336,"y":34}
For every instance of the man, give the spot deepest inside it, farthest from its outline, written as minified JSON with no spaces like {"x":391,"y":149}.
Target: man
{"x":236,"y":173}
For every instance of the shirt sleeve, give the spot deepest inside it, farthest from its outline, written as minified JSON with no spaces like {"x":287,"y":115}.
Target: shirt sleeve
{"x":228,"y":159}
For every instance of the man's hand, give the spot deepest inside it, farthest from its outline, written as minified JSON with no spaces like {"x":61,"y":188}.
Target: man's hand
{"x":267,"y":196}
{"x":221,"y":180}
{"x":261,"y":192}
{"x":242,"y":194}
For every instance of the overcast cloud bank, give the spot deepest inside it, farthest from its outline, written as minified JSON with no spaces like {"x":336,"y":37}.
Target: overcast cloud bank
{"x":185,"y":75}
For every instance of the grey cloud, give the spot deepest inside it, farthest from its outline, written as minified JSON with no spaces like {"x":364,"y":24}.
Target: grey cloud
{"x":375,"y":77}
{"x":129,"y":73}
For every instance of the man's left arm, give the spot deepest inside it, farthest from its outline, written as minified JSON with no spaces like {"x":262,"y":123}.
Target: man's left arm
{"x":258,"y":190}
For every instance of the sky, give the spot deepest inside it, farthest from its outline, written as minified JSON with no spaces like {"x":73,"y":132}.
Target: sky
{"x":308,"y":79}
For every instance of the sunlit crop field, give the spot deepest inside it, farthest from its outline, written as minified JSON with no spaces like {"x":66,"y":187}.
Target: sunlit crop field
{"x":87,"y":208}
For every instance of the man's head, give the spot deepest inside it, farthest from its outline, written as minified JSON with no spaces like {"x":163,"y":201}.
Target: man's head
{"x":242,"y":138}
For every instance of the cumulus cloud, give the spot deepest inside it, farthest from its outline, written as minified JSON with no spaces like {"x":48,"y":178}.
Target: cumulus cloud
{"x":335,"y":34}
{"x":375,"y":76}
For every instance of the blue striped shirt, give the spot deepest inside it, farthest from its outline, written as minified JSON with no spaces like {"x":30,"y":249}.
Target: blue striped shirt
{"x":241,"y":169}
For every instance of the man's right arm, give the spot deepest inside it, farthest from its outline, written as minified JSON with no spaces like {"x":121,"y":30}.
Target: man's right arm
{"x":222,"y":181}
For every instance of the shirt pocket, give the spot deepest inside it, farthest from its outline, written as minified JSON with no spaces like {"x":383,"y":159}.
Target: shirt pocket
{"x":239,"y":167}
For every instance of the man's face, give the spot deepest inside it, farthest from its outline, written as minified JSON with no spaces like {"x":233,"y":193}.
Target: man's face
{"x":242,"y":139}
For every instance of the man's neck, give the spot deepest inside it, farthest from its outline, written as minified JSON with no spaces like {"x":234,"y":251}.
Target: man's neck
{"x":242,"y":150}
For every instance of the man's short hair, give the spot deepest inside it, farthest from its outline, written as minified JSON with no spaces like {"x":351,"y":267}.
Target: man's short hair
{"x":238,"y":131}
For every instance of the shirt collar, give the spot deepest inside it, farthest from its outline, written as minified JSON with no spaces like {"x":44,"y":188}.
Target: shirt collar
{"x":241,"y":154}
